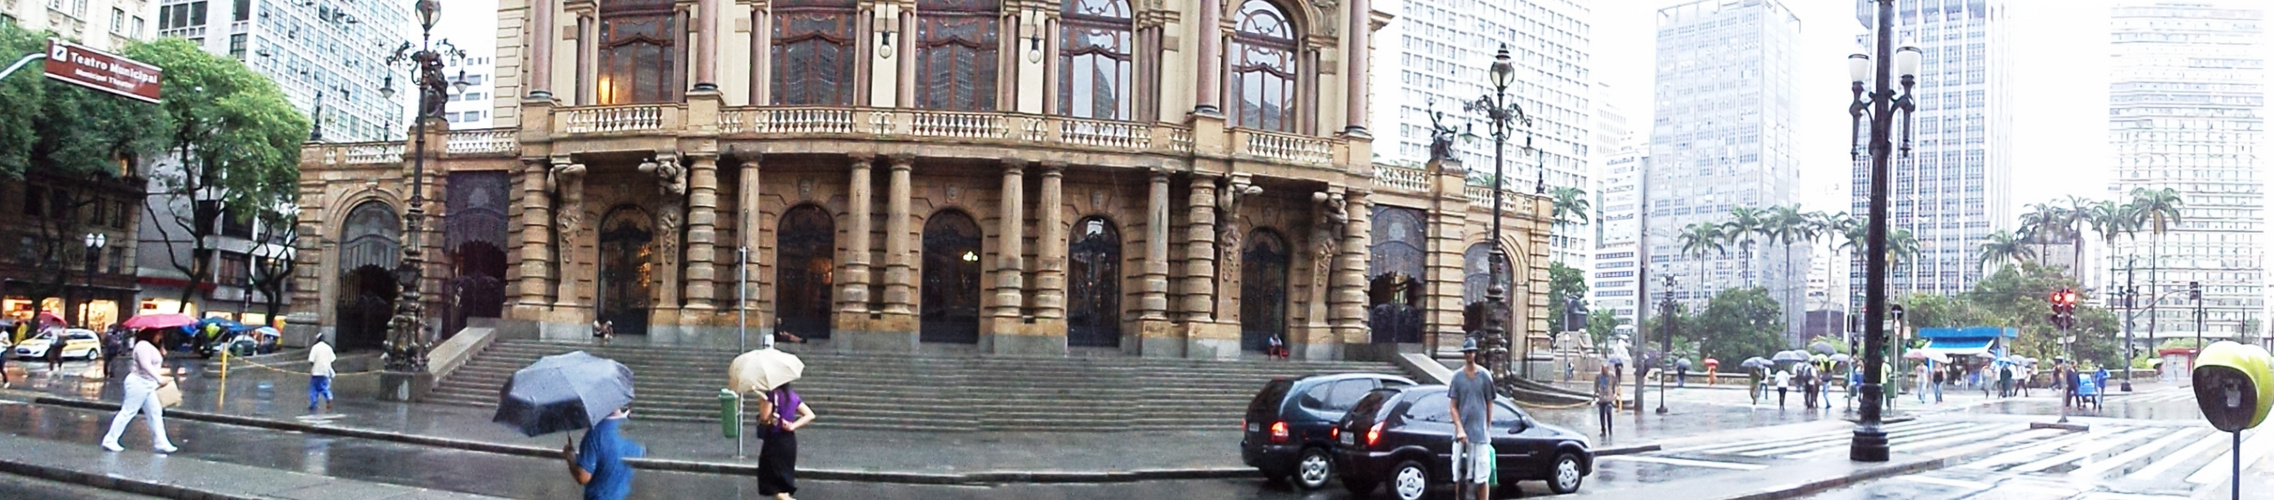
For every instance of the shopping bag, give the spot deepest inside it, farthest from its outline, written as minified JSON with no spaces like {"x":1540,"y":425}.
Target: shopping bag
{"x":169,"y":395}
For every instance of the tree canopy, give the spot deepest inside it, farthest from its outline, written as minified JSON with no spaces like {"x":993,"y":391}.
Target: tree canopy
{"x":65,"y":129}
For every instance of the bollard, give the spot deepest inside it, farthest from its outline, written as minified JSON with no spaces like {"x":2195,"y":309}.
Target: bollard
{"x":730,"y":418}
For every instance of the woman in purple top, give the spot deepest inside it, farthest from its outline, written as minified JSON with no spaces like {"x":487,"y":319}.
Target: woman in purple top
{"x":781,"y":414}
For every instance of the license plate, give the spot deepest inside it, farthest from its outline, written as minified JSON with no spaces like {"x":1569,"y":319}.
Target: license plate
{"x":1346,"y":439}
{"x":1255,"y":427}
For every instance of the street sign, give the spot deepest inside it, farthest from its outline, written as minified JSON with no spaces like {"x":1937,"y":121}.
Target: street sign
{"x":95,"y":69}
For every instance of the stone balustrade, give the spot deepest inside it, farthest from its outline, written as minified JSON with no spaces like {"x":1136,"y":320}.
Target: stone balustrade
{"x":378,"y":152}
{"x":617,"y":119}
{"x":1287,"y":148}
{"x":481,"y":141}
{"x":1398,"y":178}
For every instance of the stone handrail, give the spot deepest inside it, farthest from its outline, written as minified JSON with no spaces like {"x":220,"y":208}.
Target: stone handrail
{"x":382,"y":152}
{"x":1397,"y":178}
{"x":956,"y":124}
{"x":1101,"y":133}
{"x":1286,"y":147}
{"x":481,"y":141}
{"x":772,"y":120}
{"x":616,"y":119}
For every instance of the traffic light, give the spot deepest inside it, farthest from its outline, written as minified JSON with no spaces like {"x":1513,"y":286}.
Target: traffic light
{"x":2064,"y":303}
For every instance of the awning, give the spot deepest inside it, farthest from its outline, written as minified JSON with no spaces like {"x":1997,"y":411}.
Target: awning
{"x":1956,"y":348}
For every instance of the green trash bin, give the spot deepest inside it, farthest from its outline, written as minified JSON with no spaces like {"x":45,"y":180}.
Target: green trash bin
{"x":730,"y":414}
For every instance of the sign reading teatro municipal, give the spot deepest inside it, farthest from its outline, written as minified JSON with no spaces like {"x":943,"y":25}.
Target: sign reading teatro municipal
{"x":95,"y":69}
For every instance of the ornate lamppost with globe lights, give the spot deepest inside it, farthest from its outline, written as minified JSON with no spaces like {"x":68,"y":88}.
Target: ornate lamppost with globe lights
{"x":1501,"y":112}
{"x":406,"y":332}
{"x":1879,"y":101}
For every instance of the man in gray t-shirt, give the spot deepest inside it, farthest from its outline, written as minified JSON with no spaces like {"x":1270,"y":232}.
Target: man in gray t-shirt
{"x":1472,"y":394}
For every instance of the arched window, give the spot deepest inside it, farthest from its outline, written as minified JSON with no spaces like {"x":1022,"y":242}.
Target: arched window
{"x":638,"y":52}
{"x":956,"y":47}
{"x":1094,"y":60}
{"x":1093,"y":284}
{"x":804,"y":271}
{"x":951,"y":279}
{"x":1262,"y":60}
{"x":814,"y":52}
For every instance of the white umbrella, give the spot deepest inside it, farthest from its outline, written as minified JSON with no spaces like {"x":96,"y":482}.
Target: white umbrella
{"x":763,"y":370}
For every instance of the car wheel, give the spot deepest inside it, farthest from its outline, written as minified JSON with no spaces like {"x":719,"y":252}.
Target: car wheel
{"x":1565,"y":477}
{"x":1410,"y":481}
{"x":94,"y":354}
{"x":1314,"y":469}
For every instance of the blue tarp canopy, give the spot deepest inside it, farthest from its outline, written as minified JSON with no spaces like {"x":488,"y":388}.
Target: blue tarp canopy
{"x":1971,"y":332}
{"x":1956,"y":347}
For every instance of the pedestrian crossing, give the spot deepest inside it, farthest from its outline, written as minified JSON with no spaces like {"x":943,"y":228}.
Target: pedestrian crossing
{"x":2163,"y":396}
{"x":2157,"y":453}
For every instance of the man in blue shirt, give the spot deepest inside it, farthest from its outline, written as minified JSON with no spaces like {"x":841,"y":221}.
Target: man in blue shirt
{"x":598,"y":463}
{"x":1471,"y":391}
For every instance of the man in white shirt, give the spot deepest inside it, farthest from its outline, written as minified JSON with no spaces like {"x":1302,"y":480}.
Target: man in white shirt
{"x":320,"y":374}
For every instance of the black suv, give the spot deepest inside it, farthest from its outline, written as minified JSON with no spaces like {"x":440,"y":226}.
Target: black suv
{"x":1289,"y":425}
{"x":1404,"y":437}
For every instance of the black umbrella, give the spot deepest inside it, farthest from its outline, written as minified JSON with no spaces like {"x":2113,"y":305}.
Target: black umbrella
{"x":562,"y":393}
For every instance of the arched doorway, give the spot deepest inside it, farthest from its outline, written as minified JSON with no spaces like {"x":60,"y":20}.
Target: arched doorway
{"x":1393,"y":290}
{"x":1478,"y":275}
{"x":1093,"y":285}
{"x":478,"y":290}
{"x":627,"y":256}
{"x":951,"y":279}
{"x":368,"y":252}
{"x":1263,"y":290}
{"x":805,"y":246}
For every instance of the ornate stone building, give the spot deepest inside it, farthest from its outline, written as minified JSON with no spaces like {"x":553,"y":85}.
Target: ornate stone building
{"x":1161,"y":178}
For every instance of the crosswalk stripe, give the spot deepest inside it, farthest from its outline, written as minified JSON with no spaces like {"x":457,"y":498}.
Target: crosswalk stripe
{"x":1838,"y":439}
{"x":1686,"y":462}
{"x":2097,"y":470}
{"x":1926,"y":441}
{"x":2028,"y":435}
{"x":2165,"y":464}
{"x":1972,"y":485}
{"x":1725,"y":448}
{"x":2087,"y":450}
{"x":2253,"y":448}
{"x":2028,"y":452}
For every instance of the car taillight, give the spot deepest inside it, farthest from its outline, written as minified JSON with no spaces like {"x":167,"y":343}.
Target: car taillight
{"x":1374,"y":435}
{"x":1334,"y":433}
{"x":1279,"y":432}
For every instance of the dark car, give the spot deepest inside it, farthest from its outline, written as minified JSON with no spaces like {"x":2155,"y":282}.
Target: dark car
{"x":1404,"y":438}
{"x":1289,"y":425}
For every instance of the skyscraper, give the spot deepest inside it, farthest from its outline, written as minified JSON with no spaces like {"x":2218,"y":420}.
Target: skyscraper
{"x":2186,"y":97}
{"x":1612,"y":280}
{"x":99,"y":24}
{"x":1954,"y":188}
{"x":1441,"y":52}
{"x":318,"y":52}
{"x":1722,"y":139}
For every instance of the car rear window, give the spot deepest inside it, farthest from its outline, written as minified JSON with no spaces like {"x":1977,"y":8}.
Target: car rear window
{"x":1371,"y":405}
{"x":1266,"y":401}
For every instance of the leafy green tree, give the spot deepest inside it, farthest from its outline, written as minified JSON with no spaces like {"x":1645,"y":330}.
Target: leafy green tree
{"x":1736,"y":324}
{"x":236,"y":141}
{"x":1600,"y":325}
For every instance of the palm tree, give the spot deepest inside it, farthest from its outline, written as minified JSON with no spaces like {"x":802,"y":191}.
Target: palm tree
{"x":2041,"y":225}
{"x":2002,"y":247}
{"x":1786,"y":225}
{"x":1744,"y":223}
{"x":1571,"y":206}
{"x":2156,"y":210}
{"x":2077,"y":217}
{"x":1900,"y":246}
{"x":1700,"y":238}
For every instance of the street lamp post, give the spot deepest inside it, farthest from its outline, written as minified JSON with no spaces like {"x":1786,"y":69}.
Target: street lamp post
{"x":2130,"y":294}
{"x":1497,"y":108}
{"x":95,"y":243}
{"x":1884,"y":100}
{"x":1666,"y":345}
{"x":406,"y":343}
{"x":2195,"y":293}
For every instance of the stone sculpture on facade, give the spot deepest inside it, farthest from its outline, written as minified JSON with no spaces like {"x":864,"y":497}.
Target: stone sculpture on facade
{"x":566,"y":182}
{"x":1228,"y":230}
{"x":671,"y":182}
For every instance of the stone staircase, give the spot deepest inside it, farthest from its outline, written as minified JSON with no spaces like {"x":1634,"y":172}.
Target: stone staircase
{"x":930,"y":392}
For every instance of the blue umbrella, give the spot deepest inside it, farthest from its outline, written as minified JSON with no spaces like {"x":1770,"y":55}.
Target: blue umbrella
{"x":1794,"y":356}
{"x":1756,"y":362}
{"x":563,"y":392}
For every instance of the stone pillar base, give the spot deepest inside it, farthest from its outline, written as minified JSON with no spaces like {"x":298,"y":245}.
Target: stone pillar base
{"x":1014,"y":336}
{"x":404,"y":387}
{"x":1211,"y":340}
{"x":1322,"y":351}
{"x":1154,"y":338}
{"x":877,"y":333}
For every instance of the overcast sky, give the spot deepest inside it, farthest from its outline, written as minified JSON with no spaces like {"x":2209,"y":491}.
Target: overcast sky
{"x":2060,"y":78}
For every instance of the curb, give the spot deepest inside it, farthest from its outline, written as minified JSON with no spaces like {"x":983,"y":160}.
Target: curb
{"x":115,"y":483}
{"x":1626,"y":450}
{"x":1822,"y":485}
{"x":709,"y":467}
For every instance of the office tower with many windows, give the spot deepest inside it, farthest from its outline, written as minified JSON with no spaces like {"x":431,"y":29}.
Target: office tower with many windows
{"x":1723,"y":139}
{"x":2186,"y":104}
{"x":1612,"y":278}
{"x":1953,"y":189}
{"x":99,"y":24}
{"x":326,"y":54}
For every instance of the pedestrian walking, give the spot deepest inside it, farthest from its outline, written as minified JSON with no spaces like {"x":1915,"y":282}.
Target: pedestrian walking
{"x":781,"y":413}
{"x":1938,"y":380}
{"x":54,"y":354}
{"x":1805,"y":376}
{"x":598,"y":462}
{"x":1784,"y":384}
{"x":320,"y":374}
{"x":2071,"y":377}
{"x":142,"y":388}
{"x":1824,"y":386}
{"x":2005,"y":381}
{"x":1681,"y":372}
{"x":114,"y":341}
{"x":1753,"y":384}
{"x":1472,"y":390}
{"x":2100,"y":382}
{"x":1855,"y":385}
{"x":1604,"y":395}
{"x":1921,"y":376}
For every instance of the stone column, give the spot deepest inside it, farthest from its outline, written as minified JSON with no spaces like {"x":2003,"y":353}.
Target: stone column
{"x":536,"y":237}
{"x":542,"y":33}
{"x":746,"y":229}
{"x":854,"y":297}
{"x":1348,"y":288}
{"x":1154,"y":304}
{"x":587,"y":52}
{"x":898,"y":294}
{"x":702,"y":231}
{"x":761,"y":56}
{"x":1197,"y":292}
{"x":1050,"y":248}
{"x":1211,"y":79}
{"x":1354,"y":59}
{"x":567,"y":182}
{"x":707,"y":50}
{"x":1010,"y":249}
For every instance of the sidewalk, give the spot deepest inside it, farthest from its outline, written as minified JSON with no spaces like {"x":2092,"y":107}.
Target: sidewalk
{"x":147,"y":473}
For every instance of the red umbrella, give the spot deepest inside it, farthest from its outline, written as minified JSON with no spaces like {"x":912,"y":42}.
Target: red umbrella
{"x":168,"y":320}
{"x":1712,"y":362}
{"x":50,"y":318}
